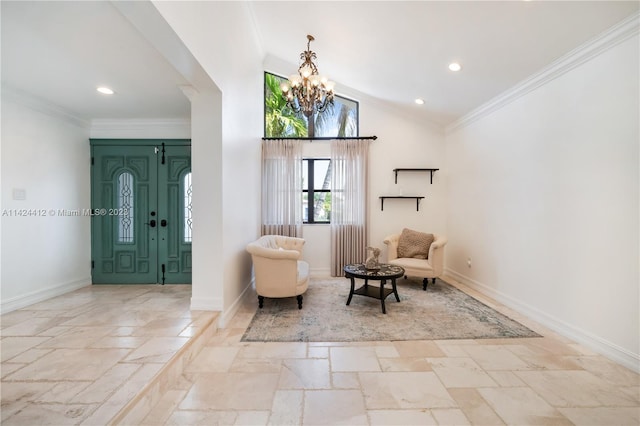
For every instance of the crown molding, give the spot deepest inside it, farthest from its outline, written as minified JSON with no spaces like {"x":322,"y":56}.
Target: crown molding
{"x":620,"y":32}
{"x":142,"y":128}
{"x":36,"y":103}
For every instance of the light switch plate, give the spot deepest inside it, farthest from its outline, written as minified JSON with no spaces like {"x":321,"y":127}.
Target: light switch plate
{"x":19,"y":194}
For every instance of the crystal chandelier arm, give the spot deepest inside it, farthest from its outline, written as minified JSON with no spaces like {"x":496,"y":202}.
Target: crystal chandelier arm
{"x":308,"y":91}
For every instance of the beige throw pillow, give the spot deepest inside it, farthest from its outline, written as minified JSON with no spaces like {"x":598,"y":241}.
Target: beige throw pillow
{"x":414,"y":244}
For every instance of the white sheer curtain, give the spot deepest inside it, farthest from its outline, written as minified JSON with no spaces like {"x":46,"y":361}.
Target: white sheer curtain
{"x":282,"y":187}
{"x":349,"y":174}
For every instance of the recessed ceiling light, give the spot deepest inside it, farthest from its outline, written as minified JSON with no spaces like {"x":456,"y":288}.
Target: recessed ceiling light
{"x":419,"y":101}
{"x":454,"y":66}
{"x":105,"y":90}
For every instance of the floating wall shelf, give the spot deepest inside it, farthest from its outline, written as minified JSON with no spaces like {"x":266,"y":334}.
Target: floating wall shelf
{"x":417,"y":198}
{"x":432,"y":171}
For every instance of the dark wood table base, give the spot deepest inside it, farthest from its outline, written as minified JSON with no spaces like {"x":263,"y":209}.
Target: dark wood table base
{"x":386,"y":272}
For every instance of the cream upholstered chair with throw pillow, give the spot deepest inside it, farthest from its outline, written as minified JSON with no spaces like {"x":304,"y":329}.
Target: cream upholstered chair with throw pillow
{"x":420,"y":254}
{"x":278,"y":267}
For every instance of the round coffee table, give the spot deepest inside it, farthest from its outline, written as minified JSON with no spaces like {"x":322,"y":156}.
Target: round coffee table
{"x":386,"y":272}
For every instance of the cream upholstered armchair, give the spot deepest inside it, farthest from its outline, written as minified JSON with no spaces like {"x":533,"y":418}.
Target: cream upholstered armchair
{"x":279,"y":270}
{"x":431,"y":267}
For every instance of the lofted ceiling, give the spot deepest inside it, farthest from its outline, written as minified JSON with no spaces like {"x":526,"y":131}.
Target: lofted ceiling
{"x":394,"y":51}
{"x":399,"y":51}
{"x":61,"y":51}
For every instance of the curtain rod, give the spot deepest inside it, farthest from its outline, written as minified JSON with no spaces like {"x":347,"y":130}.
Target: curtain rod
{"x":325,"y":138}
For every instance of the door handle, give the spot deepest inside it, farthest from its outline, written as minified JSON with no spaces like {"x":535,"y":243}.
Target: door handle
{"x":152,"y":223}
{"x":163,"y":223}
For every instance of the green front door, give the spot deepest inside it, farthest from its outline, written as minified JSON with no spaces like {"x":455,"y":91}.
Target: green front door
{"x":141,"y":212}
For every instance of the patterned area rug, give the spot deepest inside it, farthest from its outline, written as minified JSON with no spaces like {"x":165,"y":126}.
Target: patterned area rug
{"x":442,"y":312}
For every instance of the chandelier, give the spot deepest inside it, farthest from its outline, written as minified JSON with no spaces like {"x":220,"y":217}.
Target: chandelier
{"x":308,"y":91}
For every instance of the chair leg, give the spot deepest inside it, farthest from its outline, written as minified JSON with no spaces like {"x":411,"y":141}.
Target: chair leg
{"x":299,"y":297}
{"x":260,"y":301}
{"x":424,"y":283}
{"x":433,"y":281}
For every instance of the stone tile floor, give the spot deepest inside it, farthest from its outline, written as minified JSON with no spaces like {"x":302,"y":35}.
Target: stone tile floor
{"x":80,"y":358}
{"x":534,"y":381}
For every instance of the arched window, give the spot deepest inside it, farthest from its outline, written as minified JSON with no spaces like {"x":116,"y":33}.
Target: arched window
{"x":125,"y":208}
{"x":188,"y":221}
{"x":339,"y":120}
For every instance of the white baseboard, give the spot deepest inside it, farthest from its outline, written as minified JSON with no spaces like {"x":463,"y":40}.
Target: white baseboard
{"x":206,"y":304}
{"x":320,"y":272}
{"x":42,"y":294}
{"x":227,"y":315}
{"x":596,"y":343}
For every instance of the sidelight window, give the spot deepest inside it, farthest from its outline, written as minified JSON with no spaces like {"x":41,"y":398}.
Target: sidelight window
{"x":188,"y":221}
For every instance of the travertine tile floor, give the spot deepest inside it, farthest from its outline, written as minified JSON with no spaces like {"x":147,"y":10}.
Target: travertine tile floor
{"x":82,"y":357}
{"x":78,"y":358}
{"x":548,"y":380}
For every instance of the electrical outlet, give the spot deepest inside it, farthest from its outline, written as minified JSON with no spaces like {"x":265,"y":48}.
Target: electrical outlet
{"x":469,"y":262}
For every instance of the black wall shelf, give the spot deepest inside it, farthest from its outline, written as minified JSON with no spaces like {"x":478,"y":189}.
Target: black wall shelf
{"x":432,"y":171}
{"x":417,"y":198}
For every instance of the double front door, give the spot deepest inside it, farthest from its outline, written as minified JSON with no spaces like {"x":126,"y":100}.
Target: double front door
{"x":141,"y":212}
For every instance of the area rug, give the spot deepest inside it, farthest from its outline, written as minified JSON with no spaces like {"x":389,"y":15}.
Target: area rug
{"x":441,"y":312}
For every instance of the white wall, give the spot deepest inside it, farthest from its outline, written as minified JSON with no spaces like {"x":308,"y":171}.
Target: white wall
{"x":141,"y":129}
{"x":207,"y":28}
{"x":205,"y":129}
{"x":206,"y":164}
{"x":45,"y":154}
{"x":236,"y":68}
{"x":404,"y":141}
{"x":543,"y":197}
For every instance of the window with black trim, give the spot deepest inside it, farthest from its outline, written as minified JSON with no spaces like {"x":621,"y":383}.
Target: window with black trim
{"x":316,"y":190}
{"x":338,"y":120}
